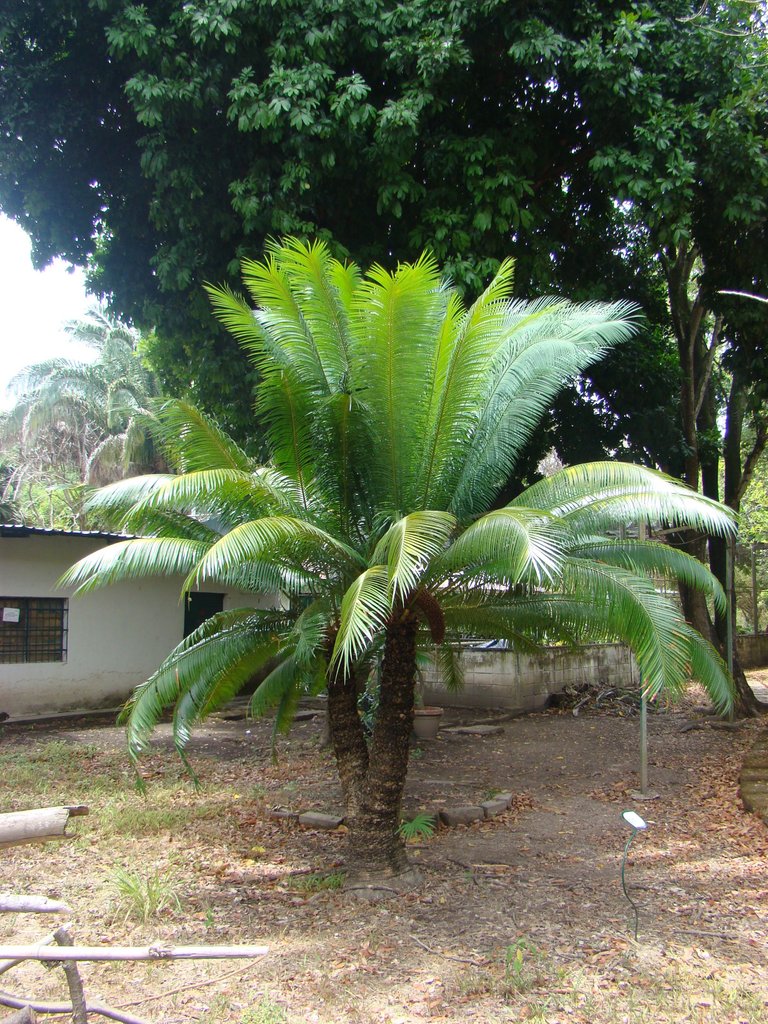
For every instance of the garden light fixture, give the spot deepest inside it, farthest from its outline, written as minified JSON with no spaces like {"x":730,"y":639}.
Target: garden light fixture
{"x":637,"y":824}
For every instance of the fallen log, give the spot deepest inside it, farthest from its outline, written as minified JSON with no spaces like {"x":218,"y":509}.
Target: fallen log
{"x":47,"y":953}
{"x":12,"y":904}
{"x":37,"y":826}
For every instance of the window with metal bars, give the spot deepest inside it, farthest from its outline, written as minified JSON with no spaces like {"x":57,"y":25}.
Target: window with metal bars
{"x":33,"y":629}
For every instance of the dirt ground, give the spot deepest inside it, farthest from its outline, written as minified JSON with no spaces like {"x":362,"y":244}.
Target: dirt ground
{"x":518,"y":918}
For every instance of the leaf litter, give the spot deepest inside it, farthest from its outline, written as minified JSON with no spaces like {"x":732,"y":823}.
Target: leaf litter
{"x":518,"y":918}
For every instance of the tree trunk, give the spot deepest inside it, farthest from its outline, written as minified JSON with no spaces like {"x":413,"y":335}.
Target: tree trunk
{"x":347,"y":739}
{"x":699,"y":421}
{"x":736,"y":478}
{"x":373,"y":778}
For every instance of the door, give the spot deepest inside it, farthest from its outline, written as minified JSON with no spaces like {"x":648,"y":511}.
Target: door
{"x":198,"y":607}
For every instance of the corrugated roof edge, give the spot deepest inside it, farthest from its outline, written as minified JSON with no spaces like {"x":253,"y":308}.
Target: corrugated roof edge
{"x":19,"y":530}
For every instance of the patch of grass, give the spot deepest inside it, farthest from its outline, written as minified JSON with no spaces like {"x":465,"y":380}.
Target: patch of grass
{"x":141,"y":820}
{"x":317,"y":882}
{"x":144,"y":895}
{"x":266,"y":1011}
{"x":58,"y":767}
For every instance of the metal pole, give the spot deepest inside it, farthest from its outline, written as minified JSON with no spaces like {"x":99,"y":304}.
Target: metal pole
{"x":643,"y":742}
{"x":642,"y":531}
{"x":729,"y":604}
{"x":755,"y":619}
{"x":624,"y":883}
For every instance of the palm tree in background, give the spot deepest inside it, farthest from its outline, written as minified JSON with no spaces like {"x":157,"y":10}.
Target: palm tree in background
{"x":394,"y":414}
{"x":82,"y":422}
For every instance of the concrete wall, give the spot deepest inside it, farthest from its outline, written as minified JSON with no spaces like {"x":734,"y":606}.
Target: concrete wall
{"x":752,"y":650}
{"x":117,"y":636}
{"x":523,"y":682}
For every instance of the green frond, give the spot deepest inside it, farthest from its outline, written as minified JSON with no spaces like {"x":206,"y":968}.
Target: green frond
{"x":313,"y":276}
{"x":515,"y":544}
{"x":310,"y":630}
{"x":479,"y":616}
{"x":274,"y":539}
{"x":246,"y":494}
{"x":449,"y":670}
{"x":115,"y":500}
{"x":205,"y":670}
{"x":281,"y":400}
{"x":133,"y":559}
{"x":236,"y":315}
{"x":364,"y":609}
{"x":545,"y":344}
{"x":648,"y":622}
{"x":409,"y":545}
{"x":596,"y":496}
{"x":709,"y":669}
{"x":396,"y":319}
{"x":643,"y":557}
{"x":467,"y":345}
{"x":274,"y":687}
{"x":193,"y":441}
{"x":152,"y":522}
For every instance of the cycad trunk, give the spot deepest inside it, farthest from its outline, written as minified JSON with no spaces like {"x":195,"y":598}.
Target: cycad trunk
{"x":373,"y":776}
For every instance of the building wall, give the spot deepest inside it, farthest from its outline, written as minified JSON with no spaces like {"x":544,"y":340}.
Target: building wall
{"x":523,"y":682}
{"x":117,"y":636}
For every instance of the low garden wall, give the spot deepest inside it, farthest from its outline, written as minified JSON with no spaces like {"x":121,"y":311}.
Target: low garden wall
{"x":752,"y":650}
{"x":496,"y":678}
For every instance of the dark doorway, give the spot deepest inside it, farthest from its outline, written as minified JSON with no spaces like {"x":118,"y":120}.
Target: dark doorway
{"x":199,"y":607}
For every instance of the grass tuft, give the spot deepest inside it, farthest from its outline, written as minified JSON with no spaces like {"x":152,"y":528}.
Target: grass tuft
{"x":143,"y":896}
{"x":317,"y":882}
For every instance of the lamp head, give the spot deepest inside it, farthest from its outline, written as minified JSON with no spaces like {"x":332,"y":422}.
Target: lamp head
{"x":634,"y":820}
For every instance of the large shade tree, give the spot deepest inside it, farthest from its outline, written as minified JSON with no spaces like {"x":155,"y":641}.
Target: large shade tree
{"x":156,"y":141}
{"x":395,"y":416}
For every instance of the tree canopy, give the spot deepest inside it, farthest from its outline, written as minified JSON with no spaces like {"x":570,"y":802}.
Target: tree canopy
{"x":166,"y":142}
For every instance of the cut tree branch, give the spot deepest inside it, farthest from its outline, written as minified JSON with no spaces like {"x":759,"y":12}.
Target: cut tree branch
{"x":41,"y":952}
{"x":11,"y":904}
{"x":6,"y":999}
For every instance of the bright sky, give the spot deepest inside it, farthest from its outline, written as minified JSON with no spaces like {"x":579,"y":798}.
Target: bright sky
{"x":33,"y":307}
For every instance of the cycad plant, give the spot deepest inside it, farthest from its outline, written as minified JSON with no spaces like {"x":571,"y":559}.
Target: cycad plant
{"x":394,"y":414}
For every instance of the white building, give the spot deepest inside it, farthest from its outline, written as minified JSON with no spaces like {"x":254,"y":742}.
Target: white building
{"x":60,"y":653}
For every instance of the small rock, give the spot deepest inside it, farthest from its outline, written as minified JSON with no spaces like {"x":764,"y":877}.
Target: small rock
{"x":475,"y":730}
{"x":461,"y":815}
{"x":314,"y":819}
{"x":283,"y":812}
{"x":491,"y":808}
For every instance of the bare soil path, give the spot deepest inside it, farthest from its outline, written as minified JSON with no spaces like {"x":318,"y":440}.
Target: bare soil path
{"x":518,"y":918}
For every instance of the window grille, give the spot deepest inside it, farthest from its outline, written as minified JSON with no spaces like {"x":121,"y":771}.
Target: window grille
{"x":33,"y":629}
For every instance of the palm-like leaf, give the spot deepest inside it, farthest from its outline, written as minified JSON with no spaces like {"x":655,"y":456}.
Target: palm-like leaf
{"x":134,"y":559}
{"x":409,"y":545}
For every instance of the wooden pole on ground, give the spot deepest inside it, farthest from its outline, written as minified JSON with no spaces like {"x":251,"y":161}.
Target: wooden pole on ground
{"x":38,"y":826}
{"x":99,"y":953}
